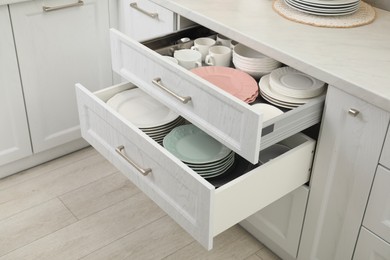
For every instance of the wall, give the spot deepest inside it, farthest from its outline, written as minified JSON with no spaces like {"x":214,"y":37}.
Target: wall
{"x":382,"y":4}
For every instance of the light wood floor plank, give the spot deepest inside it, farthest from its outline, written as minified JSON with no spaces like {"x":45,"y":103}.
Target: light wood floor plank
{"x":154,"y":241}
{"x":253,"y":257}
{"x":50,"y":185}
{"x":235,"y":243}
{"x":266,"y":254}
{"x":98,"y":195}
{"x":45,"y":168}
{"x":29,"y":225}
{"x":93,"y":232}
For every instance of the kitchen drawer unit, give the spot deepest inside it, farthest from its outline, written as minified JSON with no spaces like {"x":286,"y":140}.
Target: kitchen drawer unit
{"x":223,"y":116}
{"x":385,"y":157}
{"x":193,"y":202}
{"x":370,"y":246}
{"x":377,"y":217}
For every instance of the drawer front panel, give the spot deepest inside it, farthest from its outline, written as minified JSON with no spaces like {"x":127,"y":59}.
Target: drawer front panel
{"x":136,"y":15}
{"x":227,"y":119}
{"x":377,"y":217}
{"x":185,"y":196}
{"x":369,"y":246}
{"x":385,"y":157}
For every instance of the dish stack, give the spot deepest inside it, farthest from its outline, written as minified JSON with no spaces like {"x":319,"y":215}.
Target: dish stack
{"x":233,"y":81}
{"x":289,"y":88}
{"x":325,"y":7}
{"x":150,"y":116}
{"x":253,"y":62}
{"x":199,"y":151}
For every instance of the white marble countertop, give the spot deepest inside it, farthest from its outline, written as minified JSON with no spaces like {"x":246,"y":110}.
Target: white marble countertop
{"x":356,"y":60}
{"x":6,"y":2}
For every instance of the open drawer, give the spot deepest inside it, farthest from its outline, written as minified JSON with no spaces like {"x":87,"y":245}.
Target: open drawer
{"x":223,"y":116}
{"x":192,"y":201}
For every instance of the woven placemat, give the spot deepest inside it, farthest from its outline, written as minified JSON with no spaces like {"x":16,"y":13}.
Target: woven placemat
{"x":364,"y":15}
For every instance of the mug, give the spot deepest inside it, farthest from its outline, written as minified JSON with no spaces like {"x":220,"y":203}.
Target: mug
{"x":171,"y":59}
{"x":223,"y":40}
{"x":202,"y":45}
{"x":219,"y":56}
{"x":188,"y":59}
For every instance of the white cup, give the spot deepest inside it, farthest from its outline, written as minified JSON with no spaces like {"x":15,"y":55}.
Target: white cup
{"x":171,"y":59}
{"x":188,"y":59}
{"x":219,"y":56}
{"x":202,"y":45}
{"x":223,"y":40}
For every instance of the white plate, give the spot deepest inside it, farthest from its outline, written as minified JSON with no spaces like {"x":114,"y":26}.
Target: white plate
{"x":293,"y":83}
{"x":266,"y":88}
{"x":141,"y":109}
{"x":317,"y":12}
{"x":278,"y":103}
{"x":268,"y":111}
{"x":330,"y":3}
{"x":326,"y":9}
{"x":190,"y":144}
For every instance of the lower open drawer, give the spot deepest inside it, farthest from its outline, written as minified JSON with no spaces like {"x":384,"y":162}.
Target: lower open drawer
{"x":197,"y":205}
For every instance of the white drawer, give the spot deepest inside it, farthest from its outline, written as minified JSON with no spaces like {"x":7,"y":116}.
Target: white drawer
{"x":385,"y":157}
{"x":226,"y":118}
{"x":142,"y":19}
{"x":377,"y":217}
{"x":193,"y":202}
{"x":279,"y":225}
{"x":371,"y":247}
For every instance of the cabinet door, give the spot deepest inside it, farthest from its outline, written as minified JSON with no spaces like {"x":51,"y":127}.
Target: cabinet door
{"x":371,"y":247}
{"x":14,"y":136}
{"x":56,"y":49}
{"x":350,"y":143}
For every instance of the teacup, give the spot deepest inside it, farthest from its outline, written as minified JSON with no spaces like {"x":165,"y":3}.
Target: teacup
{"x":202,"y":45}
{"x":219,"y":56}
{"x":223,"y":40}
{"x":188,"y":59}
{"x":172,"y":59}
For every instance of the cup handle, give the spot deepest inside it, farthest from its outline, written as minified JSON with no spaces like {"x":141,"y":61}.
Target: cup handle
{"x":198,"y":64}
{"x":194,"y":48}
{"x":209,"y":60}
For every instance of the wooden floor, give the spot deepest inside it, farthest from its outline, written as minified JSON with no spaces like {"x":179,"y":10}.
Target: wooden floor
{"x":80,"y":207}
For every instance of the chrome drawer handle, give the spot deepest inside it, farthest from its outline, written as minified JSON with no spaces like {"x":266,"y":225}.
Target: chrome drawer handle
{"x":157,"y":82}
{"x":353,"y":112}
{"x":152,"y":15}
{"x":121,"y":151}
{"x":58,"y":7}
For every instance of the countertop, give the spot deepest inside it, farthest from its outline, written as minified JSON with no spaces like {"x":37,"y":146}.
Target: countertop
{"x":356,"y":60}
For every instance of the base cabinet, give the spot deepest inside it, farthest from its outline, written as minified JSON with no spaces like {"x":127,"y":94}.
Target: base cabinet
{"x":371,"y":247}
{"x":14,"y":134}
{"x":57,"y":49}
{"x":279,"y":225}
{"x":350,"y":143}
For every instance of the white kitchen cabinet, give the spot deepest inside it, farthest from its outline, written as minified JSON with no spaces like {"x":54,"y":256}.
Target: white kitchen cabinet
{"x":385,"y":157}
{"x":377,"y":217}
{"x":279,"y":225}
{"x":371,"y":247}
{"x":14,"y":134}
{"x":143,"y":20}
{"x":350,"y":144}
{"x":56,"y":49}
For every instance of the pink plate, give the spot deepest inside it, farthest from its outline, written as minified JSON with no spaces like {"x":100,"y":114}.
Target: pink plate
{"x":233,"y":81}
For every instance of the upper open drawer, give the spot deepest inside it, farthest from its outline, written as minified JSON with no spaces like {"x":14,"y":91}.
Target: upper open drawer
{"x":223,"y":116}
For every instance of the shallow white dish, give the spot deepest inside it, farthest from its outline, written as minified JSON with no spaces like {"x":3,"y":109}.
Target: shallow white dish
{"x":190,"y":144}
{"x":291,"y":82}
{"x":141,"y":109}
{"x":269,"y":111}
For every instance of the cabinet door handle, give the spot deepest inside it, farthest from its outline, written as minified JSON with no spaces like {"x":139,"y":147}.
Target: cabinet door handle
{"x":157,"y":82}
{"x":58,"y":7}
{"x":353,"y":112}
{"x":152,"y":15}
{"x":121,"y":151}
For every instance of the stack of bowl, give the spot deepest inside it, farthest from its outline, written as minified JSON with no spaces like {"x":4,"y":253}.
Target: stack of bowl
{"x":253,"y":62}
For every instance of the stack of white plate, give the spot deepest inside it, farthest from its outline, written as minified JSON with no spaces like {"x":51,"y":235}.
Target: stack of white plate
{"x":199,"y":151}
{"x":253,"y":62}
{"x":152,"y":117}
{"x":289,"y":88}
{"x":325,"y":7}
